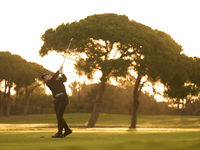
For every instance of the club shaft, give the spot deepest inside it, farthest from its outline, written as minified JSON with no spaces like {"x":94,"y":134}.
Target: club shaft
{"x":67,"y":51}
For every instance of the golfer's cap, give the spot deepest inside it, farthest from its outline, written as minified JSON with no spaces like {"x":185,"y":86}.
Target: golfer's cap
{"x":44,"y":75}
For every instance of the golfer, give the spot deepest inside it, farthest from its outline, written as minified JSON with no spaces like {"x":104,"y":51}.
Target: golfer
{"x":55,"y":84}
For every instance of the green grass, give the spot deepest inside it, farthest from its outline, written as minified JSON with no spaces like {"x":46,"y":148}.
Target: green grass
{"x":99,"y":140}
{"x":163,"y":132}
{"x":143,"y":121}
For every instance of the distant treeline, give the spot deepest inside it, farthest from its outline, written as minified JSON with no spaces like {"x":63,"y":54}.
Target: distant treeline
{"x":116,"y":100}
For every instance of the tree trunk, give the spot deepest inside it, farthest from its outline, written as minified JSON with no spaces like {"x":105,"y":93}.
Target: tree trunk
{"x":79,"y":95}
{"x":1,"y":109}
{"x":26,"y":101}
{"x":3,"y":99}
{"x":134,"y":113}
{"x":135,"y":101}
{"x":27,"y":94}
{"x":8,"y":100}
{"x":1,"y":102}
{"x":95,"y":112}
{"x":8,"y":105}
{"x":83,"y":91}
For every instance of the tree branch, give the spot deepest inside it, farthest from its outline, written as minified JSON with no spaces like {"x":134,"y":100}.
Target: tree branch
{"x":140,"y":88}
{"x":30,"y":91}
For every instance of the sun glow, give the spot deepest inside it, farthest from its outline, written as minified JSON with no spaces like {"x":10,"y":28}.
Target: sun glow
{"x":155,"y":90}
{"x":24,"y":22}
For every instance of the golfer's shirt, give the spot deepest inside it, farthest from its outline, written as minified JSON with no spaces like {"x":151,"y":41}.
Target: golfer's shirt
{"x":55,"y":84}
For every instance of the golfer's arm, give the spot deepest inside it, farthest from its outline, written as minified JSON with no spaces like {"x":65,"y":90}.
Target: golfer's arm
{"x":55,"y":75}
{"x":64,"y":78}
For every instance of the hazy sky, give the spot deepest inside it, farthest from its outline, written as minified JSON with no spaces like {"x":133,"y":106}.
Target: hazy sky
{"x":22,"y":22}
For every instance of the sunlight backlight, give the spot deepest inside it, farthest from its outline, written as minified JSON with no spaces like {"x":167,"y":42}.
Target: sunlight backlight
{"x":24,"y":22}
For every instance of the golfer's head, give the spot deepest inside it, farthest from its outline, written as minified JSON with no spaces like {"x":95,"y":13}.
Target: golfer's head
{"x":46,"y":76}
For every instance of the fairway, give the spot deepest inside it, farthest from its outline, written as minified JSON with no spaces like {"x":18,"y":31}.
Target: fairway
{"x":22,"y":134}
{"x":90,"y":139}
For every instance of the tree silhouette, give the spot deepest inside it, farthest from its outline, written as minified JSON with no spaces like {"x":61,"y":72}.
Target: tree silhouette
{"x":17,"y":72}
{"x":115,"y":46}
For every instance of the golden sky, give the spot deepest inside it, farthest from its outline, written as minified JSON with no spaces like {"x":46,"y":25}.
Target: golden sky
{"x":22,"y":23}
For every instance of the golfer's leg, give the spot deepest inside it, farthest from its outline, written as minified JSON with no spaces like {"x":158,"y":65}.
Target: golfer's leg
{"x":56,"y":110}
{"x":60,"y":111}
{"x":55,"y":107}
{"x":67,"y":129}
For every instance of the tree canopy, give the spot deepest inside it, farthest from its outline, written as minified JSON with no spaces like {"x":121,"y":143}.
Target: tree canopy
{"x":16,"y":69}
{"x":115,"y":46}
{"x":18,"y":73}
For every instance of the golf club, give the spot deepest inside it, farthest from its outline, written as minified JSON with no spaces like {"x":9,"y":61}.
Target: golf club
{"x":67,"y":51}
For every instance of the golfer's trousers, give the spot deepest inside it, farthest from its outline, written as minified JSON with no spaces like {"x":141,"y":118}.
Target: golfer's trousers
{"x":60,"y":104}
